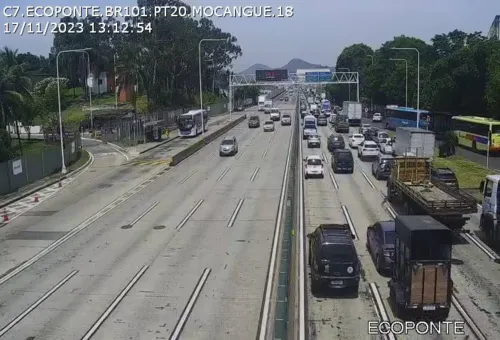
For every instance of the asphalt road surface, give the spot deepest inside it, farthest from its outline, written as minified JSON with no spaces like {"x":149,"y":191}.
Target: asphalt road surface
{"x":476,"y":279}
{"x":185,"y":255}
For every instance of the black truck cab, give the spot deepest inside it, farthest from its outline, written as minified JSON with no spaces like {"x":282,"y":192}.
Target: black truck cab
{"x":333,"y":259}
{"x":421,"y":285}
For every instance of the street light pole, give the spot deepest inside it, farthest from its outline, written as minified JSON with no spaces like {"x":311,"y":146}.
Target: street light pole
{"x":61,"y":136}
{"x":116,"y":79}
{"x":406,"y":79}
{"x":418,"y":78}
{"x":371,"y":97}
{"x":201,"y":85}
{"x":348,"y":70}
{"x":90,"y":90}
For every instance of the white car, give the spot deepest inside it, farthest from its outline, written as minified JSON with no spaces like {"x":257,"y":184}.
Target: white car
{"x":387,"y":147}
{"x":356,"y":139}
{"x":275,"y":114}
{"x":313,"y":141}
{"x":377,"y":117}
{"x":367,"y":149}
{"x":313,"y":167}
{"x":268,"y":126}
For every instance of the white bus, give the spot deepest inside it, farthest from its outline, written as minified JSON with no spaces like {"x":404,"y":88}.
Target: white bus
{"x":190,"y":123}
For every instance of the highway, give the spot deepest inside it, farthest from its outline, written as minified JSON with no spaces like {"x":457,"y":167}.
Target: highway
{"x":184,"y":257}
{"x":359,"y":198}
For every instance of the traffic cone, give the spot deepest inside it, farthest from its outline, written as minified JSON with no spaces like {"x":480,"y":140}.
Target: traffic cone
{"x":5,"y":216}
{"x":36,"y":198}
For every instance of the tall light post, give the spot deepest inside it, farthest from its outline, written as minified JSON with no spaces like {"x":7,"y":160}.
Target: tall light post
{"x":406,"y":63}
{"x":213,"y":77}
{"x":116,"y":82}
{"x":348,"y":70}
{"x":61,"y":136}
{"x":371,"y":97}
{"x":201,"y":85}
{"x":418,"y":78}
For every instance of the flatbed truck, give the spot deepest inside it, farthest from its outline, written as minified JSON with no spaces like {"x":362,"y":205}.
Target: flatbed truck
{"x":412,"y":185}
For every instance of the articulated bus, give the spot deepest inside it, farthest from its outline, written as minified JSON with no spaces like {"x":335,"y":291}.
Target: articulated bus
{"x":472,"y":132}
{"x":396,"y":116}
{"x":190,"y":123}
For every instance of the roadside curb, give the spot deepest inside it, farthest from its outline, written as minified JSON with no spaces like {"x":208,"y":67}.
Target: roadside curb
{"x":48,"y":184}
{"x":159,"y":144}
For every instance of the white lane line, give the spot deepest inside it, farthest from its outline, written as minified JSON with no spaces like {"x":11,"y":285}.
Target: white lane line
{"x":144,"y":213}
{"x":391,"y":211}
{"x":265,"y":153}
{"x":190,"y":304}
{"x":470,"y":322}
{"x":272,"y":138}
{"x":188,"y":216}
{"x":274,"y":250}
{"x":335,"y":184}
{"x":349,"y":222}
{"x":302,"y":252}
{"x":115,"y":303}
{"x":188,"y":177}
{"x":37,"y":303}
{"x":238,"y":156}
{"x":223,"y":174}
{"x":368,"y":180}
{"x":115,"y":203}
{"x":380,"y":307}
{"x":235,"y":213}
{"x":492,"y":255}
{"x":113,"y":146}
{"x":254,"y":174}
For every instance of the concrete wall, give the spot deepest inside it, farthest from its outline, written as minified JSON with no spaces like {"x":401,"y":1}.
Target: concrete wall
{"x":18,"y":172}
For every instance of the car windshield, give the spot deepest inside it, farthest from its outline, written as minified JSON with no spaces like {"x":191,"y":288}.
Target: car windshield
{"x":338,"y":252}
{"x":389,"y":237}
{"x":254,"y":118}
{"x":269,"y":123}
{"x":314,"y":161}
{"x":227,"y":142}
{"x":286,"y":116}
{"x":344,"y":155}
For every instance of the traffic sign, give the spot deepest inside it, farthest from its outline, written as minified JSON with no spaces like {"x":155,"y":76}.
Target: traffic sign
{"x":317,"y":77}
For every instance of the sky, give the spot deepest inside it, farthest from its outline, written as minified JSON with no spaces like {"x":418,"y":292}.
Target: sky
{"x":317,"y":32}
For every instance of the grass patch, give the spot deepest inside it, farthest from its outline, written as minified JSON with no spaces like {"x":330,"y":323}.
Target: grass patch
{"x":469,"y":174}
{"x":32,"y":147}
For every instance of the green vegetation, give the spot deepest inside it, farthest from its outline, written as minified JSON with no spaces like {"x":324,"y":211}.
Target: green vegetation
{"x":469,"y":174}
{"x":157,"y":67}
{"x":459,"y":73}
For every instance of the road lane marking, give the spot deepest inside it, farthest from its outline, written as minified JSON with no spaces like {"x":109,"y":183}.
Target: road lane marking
{"x":223,"y":174}
{"x":188,"y":216}
{"x":491,"y":254}
{"x":190,"y":304}
{"x":254,"y":174}
{"x":380,"y":309}
{"x":349,"y":222}
{"x":265,"y":153}
{"x":113,"y":305}
{"x":235,"y":213}
{"x":332,"y":178}
{"x":115,"y":203}
{"x":144,"y":213}
{"x":368,"y":180}
{"x":44,"y":297}
{"x":274,"y":250}
{"x":188,"y":177}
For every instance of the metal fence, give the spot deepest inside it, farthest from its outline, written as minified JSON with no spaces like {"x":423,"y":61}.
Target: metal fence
{"x":18,"y":172}
{"x":130,"y":131}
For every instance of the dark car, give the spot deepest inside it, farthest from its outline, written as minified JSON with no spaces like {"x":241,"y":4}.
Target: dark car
{"x":334,"y":142}
{"x":322,"y":120}
{"x":445,"y":175}
{"x":342,"y":160}
{"x":370,"y":133}
{"x":254,"y":122}
{"x":286,"y":99}
{"x":333,"y":259}
{"x":380,"y":243}
{"x":382,"y":166}
{"x":239,"y":109}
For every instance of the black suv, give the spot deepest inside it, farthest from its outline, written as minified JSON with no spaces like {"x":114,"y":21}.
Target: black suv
{"x":254,"y":122}
{"x":334,"y":142}
{"x":342,"y":160}
{"x":333,"y":259}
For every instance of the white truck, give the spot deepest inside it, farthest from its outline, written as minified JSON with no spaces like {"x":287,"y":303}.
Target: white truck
{"x":268,"y":105}
{"x":414,"y":142}
{"x":354,"y":112}
{"x":261,"y":102}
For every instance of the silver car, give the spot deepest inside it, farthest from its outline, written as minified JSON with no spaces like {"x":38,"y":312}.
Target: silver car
{"x":228,"y":146}
{"x":313,"y":141}
{"x":268,"y":126}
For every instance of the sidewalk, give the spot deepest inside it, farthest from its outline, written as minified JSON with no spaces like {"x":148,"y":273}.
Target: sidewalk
{"x":44,"y":182}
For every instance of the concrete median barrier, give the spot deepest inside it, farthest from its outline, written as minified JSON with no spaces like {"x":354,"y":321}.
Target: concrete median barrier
{"x":179,"y":157}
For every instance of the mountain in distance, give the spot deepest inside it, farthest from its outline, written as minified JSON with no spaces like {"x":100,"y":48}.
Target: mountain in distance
{"x":292,"y":66}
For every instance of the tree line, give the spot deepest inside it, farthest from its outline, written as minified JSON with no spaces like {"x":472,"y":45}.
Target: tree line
{"x":159,"y":64}
{"x":459,"y":74}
